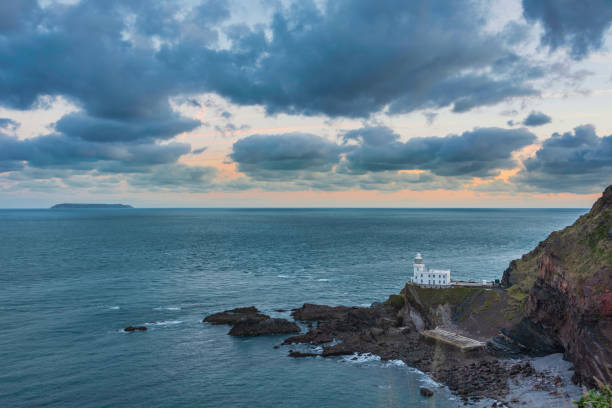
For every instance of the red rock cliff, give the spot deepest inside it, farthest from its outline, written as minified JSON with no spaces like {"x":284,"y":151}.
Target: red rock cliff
{"x":569,"y":281}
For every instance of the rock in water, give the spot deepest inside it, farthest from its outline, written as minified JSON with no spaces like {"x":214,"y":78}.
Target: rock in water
{"x":299,"y":354}
{"x":256,"y":327}
{"x":319,"y":312}
{"x":135,"y":328}
{"x":233,"y":316}
{"x":426,"y":392}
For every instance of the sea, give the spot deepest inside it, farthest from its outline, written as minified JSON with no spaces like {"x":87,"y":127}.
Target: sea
{"x":72,"y":279}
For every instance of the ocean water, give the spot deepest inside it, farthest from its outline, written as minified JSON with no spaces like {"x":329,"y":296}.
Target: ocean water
{"x":70,"y":280}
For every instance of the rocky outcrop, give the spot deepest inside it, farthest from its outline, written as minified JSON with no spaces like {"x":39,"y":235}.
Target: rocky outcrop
{"x":247,"y":321}
{"x":255,"y":327}
{"x":233,"y":316}
{"x":135,"y":328}
{"x":310,"y":312}
{"x":568,"y":279}
{"x":526,"y":337}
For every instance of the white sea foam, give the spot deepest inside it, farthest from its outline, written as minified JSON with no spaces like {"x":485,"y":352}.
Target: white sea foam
{"x":427,"y":380}
{"x":114,"y":308}
{"x":323,"y":280}
{"x":395,"y":363}
{"x":283,"y":276}
{"x":167,"y":308}
{"x":357,"y":358}
{"x":164,"y":323}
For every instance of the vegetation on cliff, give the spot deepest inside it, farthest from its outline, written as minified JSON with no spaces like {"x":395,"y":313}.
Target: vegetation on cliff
{"x":583,"y":248}
{"x":565,"y":287}
{"x":596,"y":398}
{"x":476,"y":311}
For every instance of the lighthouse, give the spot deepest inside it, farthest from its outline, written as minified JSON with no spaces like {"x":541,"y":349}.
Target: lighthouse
{"x":431,"y":278}
{"x":419,"y":266}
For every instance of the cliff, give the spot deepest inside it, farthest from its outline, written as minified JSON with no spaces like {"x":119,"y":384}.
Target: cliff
{"x":567,"y":282}
{"x":475,"y":312}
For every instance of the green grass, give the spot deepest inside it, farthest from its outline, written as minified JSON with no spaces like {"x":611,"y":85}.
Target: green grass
{"x":397,"y":301}
{"x":492,"y":298}
{"x":601,"y":398}
{"x":432,"y":297}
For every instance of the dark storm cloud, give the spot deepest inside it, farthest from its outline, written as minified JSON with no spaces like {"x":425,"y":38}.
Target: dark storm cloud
{"x":58,"y":150}
{"x":258,"y":155}
{"x":80,"y":52}
{"x":578,"y":162}
{"x":370,"y":158}
{"x":109,"y":130}
{"x":480,"y":152}
{"x":579,"y":25}
{"x":15,"y":14}
{"x":536,"y":119}
{"x":355,"y":57}
{"x":8,"y":124}
{"x":121,"y":61}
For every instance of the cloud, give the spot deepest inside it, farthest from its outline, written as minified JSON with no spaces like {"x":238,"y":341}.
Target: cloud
{"x":272,"y":156}
{"x":576,"y":162}
{"x":579,"y":25}
{"x":57,"y":150}
{"x":176,"y":177}
{"x":94,"y":55}
{"x":536,"y":119}
{"x":430,"y":117}
{"x":373,"y":158}
{"x":477,"y":153}
{"x":82,"y":126}
{"x":121,"y":62}
{"x":123,"y":65}
{"x":15,"y":14}
{"x":8,"y":124}
{"x":415,"y":56}
{"x":199,"y":151}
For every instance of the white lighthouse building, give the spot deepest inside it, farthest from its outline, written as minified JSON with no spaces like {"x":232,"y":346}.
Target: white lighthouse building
{"x":431,"y":278}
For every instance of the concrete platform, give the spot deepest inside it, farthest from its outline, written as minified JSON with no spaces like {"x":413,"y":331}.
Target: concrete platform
{"x":463,"y":343}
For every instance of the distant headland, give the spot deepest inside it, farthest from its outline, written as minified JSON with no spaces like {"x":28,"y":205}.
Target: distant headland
{"x":76,"y":205}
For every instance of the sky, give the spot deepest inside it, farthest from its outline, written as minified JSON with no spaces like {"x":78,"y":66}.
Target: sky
{"x":280,"y":103}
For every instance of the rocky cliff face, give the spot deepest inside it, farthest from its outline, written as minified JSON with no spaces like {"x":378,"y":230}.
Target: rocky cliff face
{"x":568,"y":279}
{"x":475,"y":312}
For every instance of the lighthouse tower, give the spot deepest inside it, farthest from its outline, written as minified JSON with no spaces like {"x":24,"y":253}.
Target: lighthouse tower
{"x":419,"y":269}
{"x":432,"y":278}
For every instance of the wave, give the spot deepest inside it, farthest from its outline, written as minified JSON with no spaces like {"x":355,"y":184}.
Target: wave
{"x":283,"y":276}
{"x":164,"y":323}
{"x":395,"y":363}
{"x":113,"y":308}
{"x":357,"y":358}
{"x":322,"y":280}
{"x":167,"y":308}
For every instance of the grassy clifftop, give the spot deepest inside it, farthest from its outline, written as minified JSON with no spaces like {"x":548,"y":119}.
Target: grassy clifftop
{"x":582,"y":249}
{"x":479,"y":312}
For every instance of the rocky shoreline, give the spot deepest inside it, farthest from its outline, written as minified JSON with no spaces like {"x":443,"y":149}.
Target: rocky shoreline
{"x":555,"y":299}
{"x":382,"y":330}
